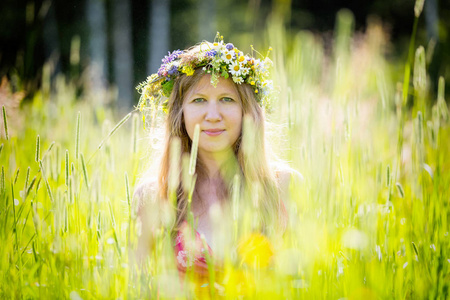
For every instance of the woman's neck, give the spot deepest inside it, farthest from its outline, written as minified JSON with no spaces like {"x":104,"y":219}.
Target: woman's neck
{"x":214,"y":162}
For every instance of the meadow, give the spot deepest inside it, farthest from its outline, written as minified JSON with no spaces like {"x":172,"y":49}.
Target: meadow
{"x":370,"y":219}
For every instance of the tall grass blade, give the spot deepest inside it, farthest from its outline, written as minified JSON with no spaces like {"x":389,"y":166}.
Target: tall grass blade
{"x":38,"y":185}
{"x":388,"y":176}
{"x":25,"y":248}
{"x":2,"y":180}
{"x":47,"y":185}
{"x":48,"y":150}
{"x":420,"y":127}
{"x":400,"y":190}
{"x":85,"y":173}
{"x":415,"y":249}
{"x":194,"y":150}
{"x":99,"y":225}
{"x":442,"y":105}
{"x":134,"y":133}
{"x":111,"y":214}
{"x":16,"y":246}
{"x":66,"y":168}
{"x":30,"y":187}
{"x":38,"y":149}
{"x":420,"y":74}
{"x":77,"y":135}
{"x":127,"y":190}
{"x":5,"y":122}
{"x":26,"y":219}
{"x":70,"y":189}
{"x":174,"y":169}
{"x":418,"y":7}
{"x":113,"y":223}
{"x":407,"y":73}
{"x":25,"y":186}
{"x":16,"y":176}
{"x":121,"y":122}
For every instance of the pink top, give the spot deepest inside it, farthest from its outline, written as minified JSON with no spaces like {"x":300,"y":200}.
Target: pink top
{"x":190,"y":252}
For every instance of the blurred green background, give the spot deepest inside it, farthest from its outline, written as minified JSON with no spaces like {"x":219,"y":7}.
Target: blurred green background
{"x":123,"y":41}
{"x":360,"y":113}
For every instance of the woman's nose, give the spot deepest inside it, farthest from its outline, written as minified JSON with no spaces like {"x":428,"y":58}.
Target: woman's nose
{"x":213,"y":112}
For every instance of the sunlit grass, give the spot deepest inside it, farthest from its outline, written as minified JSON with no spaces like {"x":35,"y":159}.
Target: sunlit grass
{"x":370,"y":219}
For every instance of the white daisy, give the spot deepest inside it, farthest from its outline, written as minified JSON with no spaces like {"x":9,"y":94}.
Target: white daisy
{"x":235,"y":68}
{"x":244,"y":70}
{"x":228,"y":56}
{"x":238,"y":79}
{"x":241,"y":57}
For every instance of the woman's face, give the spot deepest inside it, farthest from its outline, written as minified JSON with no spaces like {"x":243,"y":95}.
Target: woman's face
{"x":217,"y":110}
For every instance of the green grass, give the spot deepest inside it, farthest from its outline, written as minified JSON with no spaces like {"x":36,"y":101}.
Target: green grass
{"x":371,"y":219}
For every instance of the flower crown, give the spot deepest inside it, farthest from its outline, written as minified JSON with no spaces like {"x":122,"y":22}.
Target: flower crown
{"x":216,"y":59}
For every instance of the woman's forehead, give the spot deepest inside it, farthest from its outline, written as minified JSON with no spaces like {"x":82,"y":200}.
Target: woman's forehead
{"x":223,"y":86}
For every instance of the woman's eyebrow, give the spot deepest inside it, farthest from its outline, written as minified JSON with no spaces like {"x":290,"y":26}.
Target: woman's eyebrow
{"x":228,"y":95}
{"x":196,"y":95}
{"x":224,"y":94}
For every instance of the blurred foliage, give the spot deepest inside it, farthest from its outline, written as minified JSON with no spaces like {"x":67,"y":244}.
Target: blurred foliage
{"x":370,"y":219}
{"x":34,"y":32}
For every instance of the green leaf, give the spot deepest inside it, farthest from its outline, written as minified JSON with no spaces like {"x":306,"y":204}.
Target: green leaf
{"x":167,"y":88}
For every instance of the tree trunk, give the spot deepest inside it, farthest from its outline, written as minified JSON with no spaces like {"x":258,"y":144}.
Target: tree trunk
{"x":123,"y":60}
{"x":206,"y":20}
{"x":159,"y":34}
{"x":96,"y":15}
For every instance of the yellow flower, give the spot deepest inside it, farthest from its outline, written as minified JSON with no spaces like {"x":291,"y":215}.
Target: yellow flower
{"x":188,"y":70}
{"x":256,"y":250}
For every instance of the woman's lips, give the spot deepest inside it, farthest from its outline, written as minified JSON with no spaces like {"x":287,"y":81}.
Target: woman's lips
{"x":214,"y":132}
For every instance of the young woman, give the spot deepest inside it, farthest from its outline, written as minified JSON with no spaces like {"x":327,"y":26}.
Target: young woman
{"x":217,"y":88}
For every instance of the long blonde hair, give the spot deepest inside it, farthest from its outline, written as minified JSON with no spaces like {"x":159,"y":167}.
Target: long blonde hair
{"x":253,"y":167}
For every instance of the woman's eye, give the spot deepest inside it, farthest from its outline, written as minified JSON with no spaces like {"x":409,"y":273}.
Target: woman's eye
{"x":198,"y":100}
{"x":227,"y":99}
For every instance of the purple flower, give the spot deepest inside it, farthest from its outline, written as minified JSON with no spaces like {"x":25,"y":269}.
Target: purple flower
{"x":211,"y":53}
{"x":173,"y":70}
{"x":172,"y":56}
{"x":167,"y":59}
{"x":229,"y":46}
{"x":162,"y":70}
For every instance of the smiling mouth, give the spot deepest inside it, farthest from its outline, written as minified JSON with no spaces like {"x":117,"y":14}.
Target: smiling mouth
{"x":214,"y":132}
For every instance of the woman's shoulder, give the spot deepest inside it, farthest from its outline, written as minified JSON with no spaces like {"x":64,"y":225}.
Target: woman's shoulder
{"x":146,"y":190}
{"x":286,"y":175}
